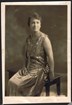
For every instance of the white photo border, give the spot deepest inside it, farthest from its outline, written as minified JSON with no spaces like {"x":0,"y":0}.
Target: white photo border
{"x":51,"y":99}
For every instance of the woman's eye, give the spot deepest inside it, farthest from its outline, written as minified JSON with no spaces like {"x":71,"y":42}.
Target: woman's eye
{"x":33,"y":22}
{"x":37,"y":22}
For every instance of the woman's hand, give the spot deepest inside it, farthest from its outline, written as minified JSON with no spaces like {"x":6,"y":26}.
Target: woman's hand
{"x":23,"y":71}
{"x":51,"y":75}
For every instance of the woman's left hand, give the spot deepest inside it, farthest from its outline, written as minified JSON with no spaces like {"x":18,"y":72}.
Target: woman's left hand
{"x":51,"y":75}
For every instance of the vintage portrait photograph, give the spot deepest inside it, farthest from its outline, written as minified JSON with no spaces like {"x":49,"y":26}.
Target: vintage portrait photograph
{"x":36,"y":52}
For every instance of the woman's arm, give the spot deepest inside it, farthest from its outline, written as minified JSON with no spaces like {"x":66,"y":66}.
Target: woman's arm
{"x":49,"y":52}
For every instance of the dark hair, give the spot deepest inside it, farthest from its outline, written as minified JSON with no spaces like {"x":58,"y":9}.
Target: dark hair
{"x":34,"y":15}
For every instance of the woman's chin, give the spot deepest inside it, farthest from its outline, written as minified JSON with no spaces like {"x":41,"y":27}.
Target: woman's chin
{"x":36,"y":31}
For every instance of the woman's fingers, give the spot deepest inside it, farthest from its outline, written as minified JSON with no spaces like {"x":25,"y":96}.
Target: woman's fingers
{"x":20,"y":72}
{"x":23,"y":72}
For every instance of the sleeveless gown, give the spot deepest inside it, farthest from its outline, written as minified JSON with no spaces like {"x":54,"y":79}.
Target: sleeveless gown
{"x":32,"y":83}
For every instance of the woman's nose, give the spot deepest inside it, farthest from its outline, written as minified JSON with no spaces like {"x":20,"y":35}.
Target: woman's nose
{"x":35,"y":24}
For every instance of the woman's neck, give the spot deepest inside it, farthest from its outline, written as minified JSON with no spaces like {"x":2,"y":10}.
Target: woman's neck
{"x":35,"y":34}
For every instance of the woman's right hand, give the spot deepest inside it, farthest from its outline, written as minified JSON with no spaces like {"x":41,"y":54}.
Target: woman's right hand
{"x":23,"y":71}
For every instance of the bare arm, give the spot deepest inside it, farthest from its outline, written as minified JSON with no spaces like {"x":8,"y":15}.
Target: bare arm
{"x":49,"y":52}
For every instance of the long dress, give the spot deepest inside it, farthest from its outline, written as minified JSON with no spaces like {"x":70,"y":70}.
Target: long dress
{"x":32,"y":83}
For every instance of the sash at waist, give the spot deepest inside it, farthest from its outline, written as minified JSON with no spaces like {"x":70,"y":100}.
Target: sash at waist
{"x":36,"y":62}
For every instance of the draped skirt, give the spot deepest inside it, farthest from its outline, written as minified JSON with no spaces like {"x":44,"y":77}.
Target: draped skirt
{"x":28,"y":85}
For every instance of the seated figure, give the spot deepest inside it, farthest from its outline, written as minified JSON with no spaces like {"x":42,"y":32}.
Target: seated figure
{"x":39,"y":61}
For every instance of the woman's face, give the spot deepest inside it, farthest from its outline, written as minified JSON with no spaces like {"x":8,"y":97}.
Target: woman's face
{"x":35,"y":25}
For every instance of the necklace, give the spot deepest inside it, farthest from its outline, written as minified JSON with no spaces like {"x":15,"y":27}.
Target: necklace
{"x":35,"y":37}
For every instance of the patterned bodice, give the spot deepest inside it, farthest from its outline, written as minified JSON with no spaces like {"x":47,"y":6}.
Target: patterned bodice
{"x":35,"y":53}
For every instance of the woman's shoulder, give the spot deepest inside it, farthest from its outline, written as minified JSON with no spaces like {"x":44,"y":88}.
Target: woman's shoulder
{"x":44,"y":36}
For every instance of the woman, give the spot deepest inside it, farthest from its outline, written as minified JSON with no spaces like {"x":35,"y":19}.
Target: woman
{"x":29,"y":81}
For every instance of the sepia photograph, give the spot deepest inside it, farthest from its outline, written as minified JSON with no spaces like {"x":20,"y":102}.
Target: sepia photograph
{"x":36,"y":52}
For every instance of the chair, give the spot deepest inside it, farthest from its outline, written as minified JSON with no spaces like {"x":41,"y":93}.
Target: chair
{"x":48,"y":83}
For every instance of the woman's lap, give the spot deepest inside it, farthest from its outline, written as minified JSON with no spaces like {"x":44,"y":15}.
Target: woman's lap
{"x":32,"y":81}
{"x":18,"y":80}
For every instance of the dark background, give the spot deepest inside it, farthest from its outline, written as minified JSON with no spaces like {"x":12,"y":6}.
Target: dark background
{"x":54,"y":24}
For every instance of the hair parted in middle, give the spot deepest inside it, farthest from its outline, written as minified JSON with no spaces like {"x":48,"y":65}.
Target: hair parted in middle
{"x":34,"y":15}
